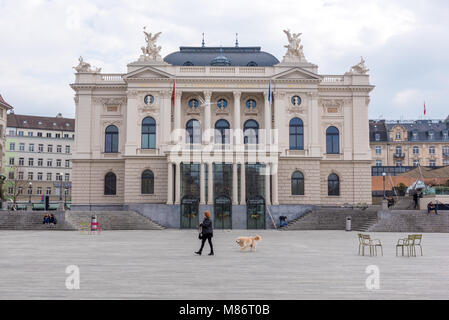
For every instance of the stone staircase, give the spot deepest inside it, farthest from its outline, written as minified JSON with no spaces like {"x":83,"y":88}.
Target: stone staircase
{"x":113,"y":220}
{"x":335,"y":219}
{"x":404,"y":203}
{"x":23,"y":220}
{"x":412,"y":221}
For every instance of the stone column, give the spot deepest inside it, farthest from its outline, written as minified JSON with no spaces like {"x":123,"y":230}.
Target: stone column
{"x":202,"y":184}
{"x":210,"y":182}
{"x":267,"y":116}
{"x":243,"y":184}
{"x":170,"y":183}
{"x":207,"y":117}
{"x":235,"y":186}
{"x":279,"y":111}
{"x":267,"y":184}
{"x":275,"y":191}
{"x":315,"y":147}
{"x":178,"y":115}
{"x":178,"y":183}
{"x":165,"y":112}
{"x":236,"y":125}
{"x":131,"y":124}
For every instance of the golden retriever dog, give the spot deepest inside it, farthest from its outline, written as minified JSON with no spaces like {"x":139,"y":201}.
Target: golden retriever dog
{"x":244,"y":242}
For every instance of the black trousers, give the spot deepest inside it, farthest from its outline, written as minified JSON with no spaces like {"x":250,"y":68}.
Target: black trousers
{"x":203,"y":241}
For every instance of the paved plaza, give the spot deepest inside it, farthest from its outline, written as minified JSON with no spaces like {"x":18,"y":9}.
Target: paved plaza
{"x":161,"y":265}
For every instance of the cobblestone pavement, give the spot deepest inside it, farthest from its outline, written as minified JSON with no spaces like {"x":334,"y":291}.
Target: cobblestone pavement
{"x":162,"y":265}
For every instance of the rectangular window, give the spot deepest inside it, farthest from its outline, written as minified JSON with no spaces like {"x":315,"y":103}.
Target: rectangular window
{"x":67,"y":177}
{"x":48,"y":191}
{"x":30,"y":175}
{"x":50,"y":148}
{"x":11,"y":133}
{"x":41,"y":148}
{"x":31,"y":147}
{"x":432,"y":150}
{"x":39,"y":190}
{"x":446,"y":162}
{"x":58,"y":176}
{"x":30,"y":190}
{"x":48,"y":134}
{"x":20,"y":177}
{"x":399,"y":163}
{"x":67,"y":163}
{"x":432,"y":163}
{"x":31,"y":162}
{"x":58,"y":162}
{"x":30,"y":133}
{"x":378,"y":163}
{"x":415,"y":163}
{"x":58,"y":149}
{"x":21,"y":161}
{"x":40,"y":176}
{"x":378,"y":150}
{"x":58,"y":136}
{"x":12,"y":146}
{"x":377,"y":137}
{"x":22,"y":147}
{"x":67,"y":149}
{"x":20,"y":190}
{"x":40,"y":162}
{"x":21,"y":133}
{"x":10,"y":190}
{"x":49,"y":163}
{"x":12,"y":161}
{"x":66,"y":136}
{"x":11,"y":175}
{"x":49,"y":176}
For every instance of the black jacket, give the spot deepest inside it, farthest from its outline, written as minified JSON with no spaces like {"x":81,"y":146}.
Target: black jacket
{"x":207,"y":226}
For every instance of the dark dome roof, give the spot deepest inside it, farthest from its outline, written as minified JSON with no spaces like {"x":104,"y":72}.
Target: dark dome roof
{"x":222,"y":56}
{"x":220,"y":61}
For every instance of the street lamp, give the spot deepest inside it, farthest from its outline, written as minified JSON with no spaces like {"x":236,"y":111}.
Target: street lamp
{"x":30,"y":191}
{"x":60,"y":187}
{"x":383,"y":177}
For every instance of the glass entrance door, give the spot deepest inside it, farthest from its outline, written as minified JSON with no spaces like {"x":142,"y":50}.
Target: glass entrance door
{"x":255,"y":209}
{"x":223,"y":213}
{"x":189,"y":212}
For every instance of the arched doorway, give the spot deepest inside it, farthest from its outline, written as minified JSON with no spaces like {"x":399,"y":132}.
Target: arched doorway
{"x":223,"y":213}
{"x":189,"y":212}
{"x":255,"y":209}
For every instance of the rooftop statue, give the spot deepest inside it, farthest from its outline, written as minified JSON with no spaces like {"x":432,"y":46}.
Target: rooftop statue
{"x":151,"y":51}
{"x":359,"y":68}
{"x":294,"y":48}
{"x":84,"y":67}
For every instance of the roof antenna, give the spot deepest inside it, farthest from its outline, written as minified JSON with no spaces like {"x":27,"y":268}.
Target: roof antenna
{"x":203,"y":44}
{"x":236,"y":40}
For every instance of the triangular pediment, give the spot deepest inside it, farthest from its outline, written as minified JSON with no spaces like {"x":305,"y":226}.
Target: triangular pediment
{"x":297,"y":73}
{"x":147,"y":72}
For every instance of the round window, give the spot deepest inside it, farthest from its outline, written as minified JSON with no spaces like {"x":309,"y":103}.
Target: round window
{"x":193,"y":104}
{"x":149,"y":99}
{"x":251,"y":104}
{"x":296,"y":101}
{"x":222,"y":104}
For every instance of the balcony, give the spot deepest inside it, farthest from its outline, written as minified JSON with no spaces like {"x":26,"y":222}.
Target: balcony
{"x":398,"y":156}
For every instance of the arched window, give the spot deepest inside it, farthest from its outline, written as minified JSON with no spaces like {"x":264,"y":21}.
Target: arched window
{"x":251,"y":132}
{"x":193,"y":132}
{"x":188,"y":63}
{"x":333,"y":185}
{"x":297,"y":184}
{"x":296,"y":134}
{"x":148,"y":133}
{"x":222,"y":132}
{"x":110,"y":184}
{"x":147,"y":182}
{"x":252,"y":64}
{"x":111,"y":139}
{"x":332,"y":141}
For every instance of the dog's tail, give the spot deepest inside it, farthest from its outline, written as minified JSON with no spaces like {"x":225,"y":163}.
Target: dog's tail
{"x":258,"y":238}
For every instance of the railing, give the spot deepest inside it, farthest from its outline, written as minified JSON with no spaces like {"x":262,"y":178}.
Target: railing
{"x":333,"y":79}
{"x":399,"y":155}
{"x":222,"y":70}
{"x":111,"y":77}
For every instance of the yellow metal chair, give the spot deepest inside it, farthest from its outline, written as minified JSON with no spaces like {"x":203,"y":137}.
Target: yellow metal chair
{"x":404,"y":243}
{"x":417,"y":239}
{"x":84,"y":226}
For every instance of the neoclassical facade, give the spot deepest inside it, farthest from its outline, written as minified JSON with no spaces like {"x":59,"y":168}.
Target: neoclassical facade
{"x":228,"y":129}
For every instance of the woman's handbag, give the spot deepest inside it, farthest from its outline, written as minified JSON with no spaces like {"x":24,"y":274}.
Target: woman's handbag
{"x":200,"y":235}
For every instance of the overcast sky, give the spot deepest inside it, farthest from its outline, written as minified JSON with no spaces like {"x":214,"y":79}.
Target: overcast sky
{"x":405,"y":43}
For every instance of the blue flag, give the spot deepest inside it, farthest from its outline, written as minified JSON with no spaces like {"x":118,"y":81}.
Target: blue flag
{"x":270,"y":93}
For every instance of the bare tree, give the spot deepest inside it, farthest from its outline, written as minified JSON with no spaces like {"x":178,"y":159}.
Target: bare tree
{"x":15,"y":183}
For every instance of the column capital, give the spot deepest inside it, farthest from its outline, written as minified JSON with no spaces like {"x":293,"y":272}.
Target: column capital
{"x":237,"y":94}
{"x":165,"y":93}
{"x":207,"y":94}
{"x":279,"y":94}
{"x":178,"y":94}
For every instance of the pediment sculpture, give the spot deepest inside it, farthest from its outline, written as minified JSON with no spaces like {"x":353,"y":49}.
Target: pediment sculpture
{"x":151,"y":52}
{"x":294,"y":48}
{"x":84,"y":67}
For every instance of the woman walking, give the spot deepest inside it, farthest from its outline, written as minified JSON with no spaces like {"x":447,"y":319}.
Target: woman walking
{"x":206,"y":233}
